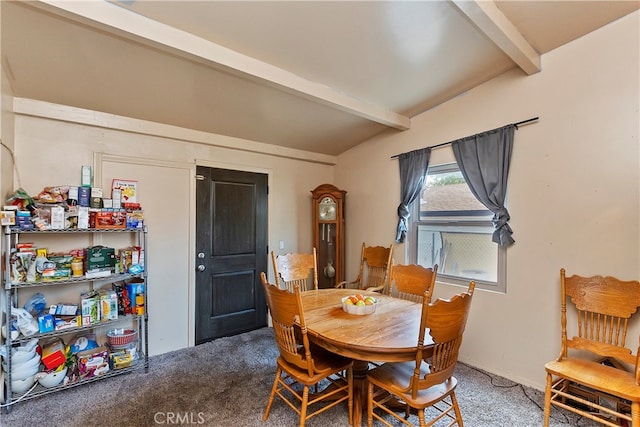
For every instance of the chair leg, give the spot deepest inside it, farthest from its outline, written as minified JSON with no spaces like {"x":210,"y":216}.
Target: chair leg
{"x":456,"y":408}
{"x":370,"y":405}
{"x":303,"y":407}
{"x":272,"y":395}
{"x":547,"y":400}
{"x":635,"y":414}
{"x":421,"y":420}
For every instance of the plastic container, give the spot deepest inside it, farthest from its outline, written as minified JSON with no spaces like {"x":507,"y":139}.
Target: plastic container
{"x":121,"y":337}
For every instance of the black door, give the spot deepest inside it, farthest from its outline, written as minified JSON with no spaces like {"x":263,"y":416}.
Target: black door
{"x":231,"y":251}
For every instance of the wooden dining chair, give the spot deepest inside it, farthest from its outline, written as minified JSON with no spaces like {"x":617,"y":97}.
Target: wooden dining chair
{"x":427,"y":381}
{"x":300,"y":362}
{"x":296,"y":268}
{"x":374,"y":273}
{"x":593,"y":345}
{"x":411,"y":281}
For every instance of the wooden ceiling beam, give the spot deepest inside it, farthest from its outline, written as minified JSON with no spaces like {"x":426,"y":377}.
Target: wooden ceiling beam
{"x":116,"y":20}
{"x":491,"y":21}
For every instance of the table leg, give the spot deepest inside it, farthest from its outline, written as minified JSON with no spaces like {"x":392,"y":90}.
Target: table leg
{"x":360,"y":388}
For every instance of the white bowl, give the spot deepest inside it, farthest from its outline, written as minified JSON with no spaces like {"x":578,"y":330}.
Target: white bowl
{"x":23,"y":373}
{"x":25,"y":369}
{"x":358,"y":309}
{"x":34,"y":361}
{"x":52,"y":379}
{"x":19,"y":356}
{"x":20,"y":386}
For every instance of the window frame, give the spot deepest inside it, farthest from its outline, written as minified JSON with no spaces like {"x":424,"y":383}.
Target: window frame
{"x":472,"y":220}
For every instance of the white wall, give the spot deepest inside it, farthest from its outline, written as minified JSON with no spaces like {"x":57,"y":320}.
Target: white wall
{"x":52,"y":142}
{"x":573,"y":189}
{"x":6,"y":128}
{"x":7,"y":139}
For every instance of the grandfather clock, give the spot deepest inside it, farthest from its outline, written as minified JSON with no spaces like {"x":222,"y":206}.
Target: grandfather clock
{"x":328,"y":233}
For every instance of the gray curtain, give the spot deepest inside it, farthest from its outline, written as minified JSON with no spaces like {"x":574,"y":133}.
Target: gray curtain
{"x":413,"y":169}
{"x":484,"y":162}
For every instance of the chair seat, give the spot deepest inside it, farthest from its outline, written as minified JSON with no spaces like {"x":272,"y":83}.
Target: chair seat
{"x":326,"y":363}
{"x":590,"y":374}
{"x":395,"y":377}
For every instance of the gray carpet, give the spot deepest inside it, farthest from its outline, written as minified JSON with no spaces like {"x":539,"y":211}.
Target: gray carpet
{"x":226,"y":383}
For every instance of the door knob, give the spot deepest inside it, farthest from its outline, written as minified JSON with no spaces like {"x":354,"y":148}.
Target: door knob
{"x":201,"y":267}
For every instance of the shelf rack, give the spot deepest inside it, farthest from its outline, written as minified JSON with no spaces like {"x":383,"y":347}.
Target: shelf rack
{"x":11,"y":290}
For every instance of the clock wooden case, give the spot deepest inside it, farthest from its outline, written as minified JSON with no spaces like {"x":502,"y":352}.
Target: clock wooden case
{"x":328,"y":233}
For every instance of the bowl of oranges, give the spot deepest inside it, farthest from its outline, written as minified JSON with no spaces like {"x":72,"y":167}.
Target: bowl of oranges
{"x":359,"y":304}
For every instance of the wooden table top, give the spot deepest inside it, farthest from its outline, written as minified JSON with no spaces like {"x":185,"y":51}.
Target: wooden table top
{"x":390,"y":334}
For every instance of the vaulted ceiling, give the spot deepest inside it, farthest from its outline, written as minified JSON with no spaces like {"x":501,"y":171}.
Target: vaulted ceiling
{"x":319,"y":76}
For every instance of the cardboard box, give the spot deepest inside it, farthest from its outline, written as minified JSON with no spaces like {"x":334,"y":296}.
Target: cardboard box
{"x":86,"y":179}
{"x":57,"y":218}
{"x":122,"y":358}
{"x":53,"y":354}
{"x":90,"y":307}
{"x":92,"y":363}
{"x":83,"y":217}
{"x":100,"y":257}
{"x":97,"y":273}
{"x":54,"y":274}
{"x":63,"y":309}
{"x":72,"y":197}
{"x":65,"y":322}
{"x":111,"y":219}
{"x":108,"y":305}
{"x":45,"y":323}
{"x":84,"y":196}
{"x":116,"y":196}
{"x":130,"y":256}
{"x":135,"y":220}
{"x":8,"y":218}
{"x":23,"y":220}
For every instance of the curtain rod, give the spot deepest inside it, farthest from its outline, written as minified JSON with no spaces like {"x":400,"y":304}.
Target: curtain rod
{"x":450,"y":142}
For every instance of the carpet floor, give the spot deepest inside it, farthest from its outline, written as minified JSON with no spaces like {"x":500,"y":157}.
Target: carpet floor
{"x":226,"y":382}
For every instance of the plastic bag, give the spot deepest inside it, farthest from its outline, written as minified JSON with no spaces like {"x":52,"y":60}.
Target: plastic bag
{"x":22,"y":199}
{"x":26,"y":323}
{"x":35,"y":305}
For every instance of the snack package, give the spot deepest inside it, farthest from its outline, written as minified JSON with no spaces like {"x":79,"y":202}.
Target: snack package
{"x":22,"y":200}
{"x":58,"y":194}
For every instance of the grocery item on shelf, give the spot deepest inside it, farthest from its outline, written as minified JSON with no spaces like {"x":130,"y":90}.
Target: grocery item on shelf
{"x":35,"y":336}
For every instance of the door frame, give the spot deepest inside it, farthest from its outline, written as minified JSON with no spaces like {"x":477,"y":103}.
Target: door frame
{"x":191,"y":280}
{"x":100,"y":157}
{"x":192,"y":227}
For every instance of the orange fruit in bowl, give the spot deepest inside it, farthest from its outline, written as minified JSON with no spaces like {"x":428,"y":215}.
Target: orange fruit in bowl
{"x":360,"y":297}
{"x":353,"y":299}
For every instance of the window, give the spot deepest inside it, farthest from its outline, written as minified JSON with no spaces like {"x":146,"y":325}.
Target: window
{"x":451,"y":228}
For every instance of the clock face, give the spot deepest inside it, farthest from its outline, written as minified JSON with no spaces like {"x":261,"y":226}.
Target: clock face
{"x":327,"y":209}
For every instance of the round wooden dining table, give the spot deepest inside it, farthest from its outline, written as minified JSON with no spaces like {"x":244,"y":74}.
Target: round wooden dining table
{"x":390,"y":334}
